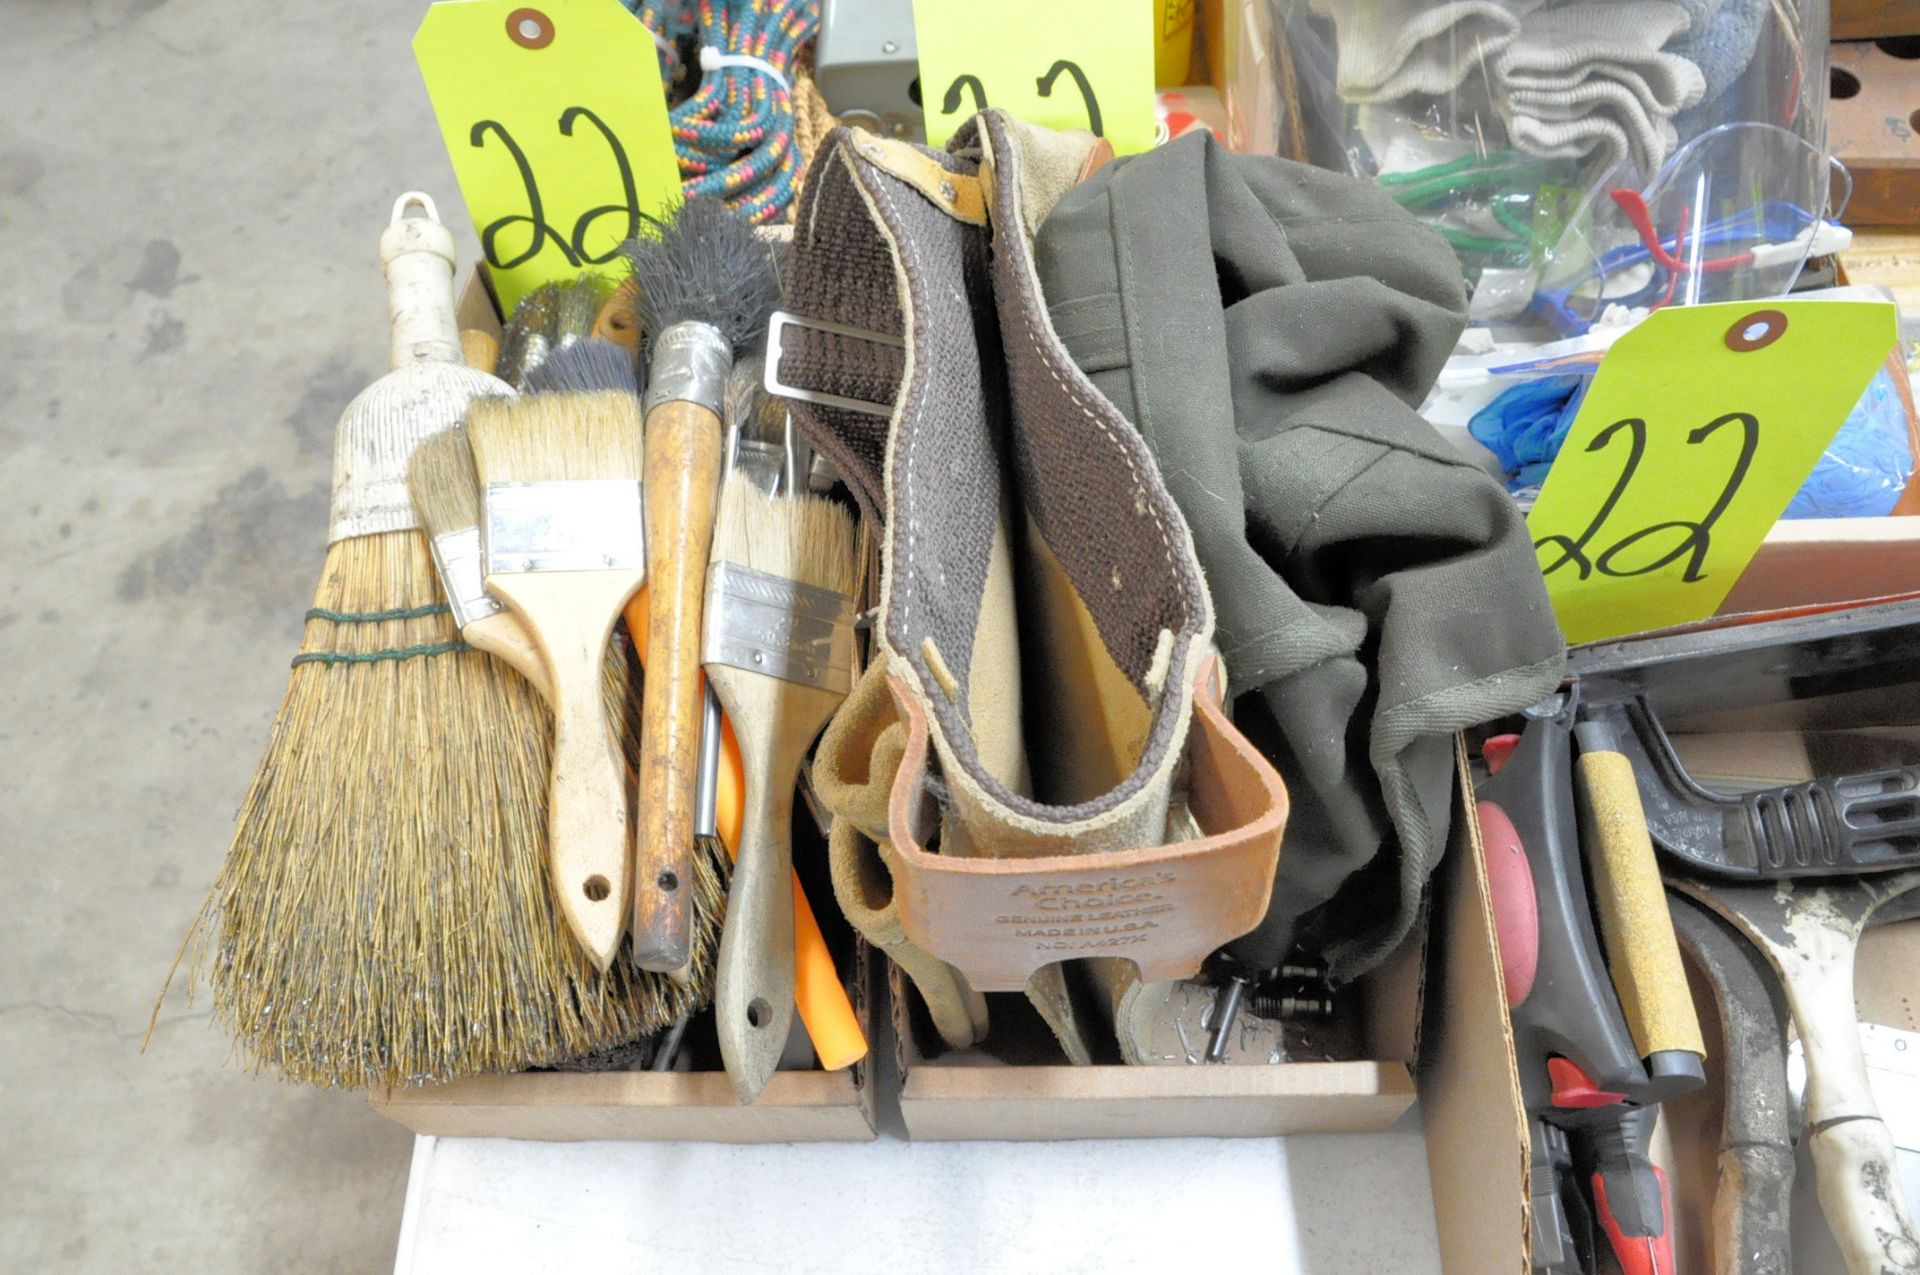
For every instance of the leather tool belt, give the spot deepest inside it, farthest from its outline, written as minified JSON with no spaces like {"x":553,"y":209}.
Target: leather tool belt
{"x":1038,"y":752}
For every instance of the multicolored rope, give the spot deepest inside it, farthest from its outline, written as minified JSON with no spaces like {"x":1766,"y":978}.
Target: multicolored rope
{"x":734,"y":134}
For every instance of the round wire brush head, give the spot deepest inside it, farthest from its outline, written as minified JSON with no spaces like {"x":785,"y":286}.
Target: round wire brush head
{"x":705,"y":264}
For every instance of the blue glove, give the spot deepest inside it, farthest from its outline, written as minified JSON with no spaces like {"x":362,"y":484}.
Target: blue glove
{"x":1525,"y":425}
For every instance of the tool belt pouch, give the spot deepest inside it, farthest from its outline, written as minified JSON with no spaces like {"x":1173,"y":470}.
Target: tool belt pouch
{"x":1043,"y":631}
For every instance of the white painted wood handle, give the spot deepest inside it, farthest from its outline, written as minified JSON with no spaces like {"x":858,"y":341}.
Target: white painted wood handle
{"x":418,"y":256}
{"x":1853,"y":1151}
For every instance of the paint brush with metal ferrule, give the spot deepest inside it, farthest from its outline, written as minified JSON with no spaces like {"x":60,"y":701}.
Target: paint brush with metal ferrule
{"x":564,"y":548}
{"x":705,"y":287}
{"x":446,"y":495}
{"x":756,"y":423}
{"x":778,"y":651}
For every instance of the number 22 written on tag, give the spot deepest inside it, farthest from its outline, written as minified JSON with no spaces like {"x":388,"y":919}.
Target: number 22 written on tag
{"x":556,"y":124}
{"x":1700,"y":425}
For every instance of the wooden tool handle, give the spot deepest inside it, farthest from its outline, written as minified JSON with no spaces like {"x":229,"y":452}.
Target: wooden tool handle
{"x":754,"y":981}
{"x":818,"y":993}
{"x":682,"y":484}
{"x":504,"y":637}
{"x":571,"y":615}
{"x":480,"y":350}
{"x":1642,"y":954}
{"x":1752,"y":1202}
{"x":616,"y":321}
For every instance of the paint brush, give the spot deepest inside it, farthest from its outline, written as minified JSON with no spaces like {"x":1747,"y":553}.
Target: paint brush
{"x":705,"y":287}
{"x":446,"y":495}
{"x":778,"y":651}
{"x":564,"y":549}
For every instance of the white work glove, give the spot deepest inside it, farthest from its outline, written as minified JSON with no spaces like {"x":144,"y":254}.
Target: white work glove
{"x":1390,"y":49}
{"x":1591,"y":79}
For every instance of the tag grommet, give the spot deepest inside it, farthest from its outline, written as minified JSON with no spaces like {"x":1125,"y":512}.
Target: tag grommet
{"x":1756,"y":331}
{"x":530,"y":28}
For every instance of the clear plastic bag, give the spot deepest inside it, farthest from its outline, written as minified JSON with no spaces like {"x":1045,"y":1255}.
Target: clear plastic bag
{"x":1512,"y":127}
{"x":1869,"y":463}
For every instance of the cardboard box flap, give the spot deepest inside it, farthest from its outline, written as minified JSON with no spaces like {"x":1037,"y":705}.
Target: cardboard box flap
{"x":1476,"y":1123}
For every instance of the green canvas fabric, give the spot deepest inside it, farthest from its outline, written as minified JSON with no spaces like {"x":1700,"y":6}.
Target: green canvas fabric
{"x":1270,"y":329}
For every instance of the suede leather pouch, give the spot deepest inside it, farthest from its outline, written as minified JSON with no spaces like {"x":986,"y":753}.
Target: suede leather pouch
{"x":1038,"y":757}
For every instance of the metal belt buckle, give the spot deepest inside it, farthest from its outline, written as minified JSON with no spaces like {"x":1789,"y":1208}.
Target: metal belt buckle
{"x":777,"y":325}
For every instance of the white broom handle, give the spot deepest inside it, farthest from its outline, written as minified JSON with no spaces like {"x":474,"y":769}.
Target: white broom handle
{"x":417,"y":255}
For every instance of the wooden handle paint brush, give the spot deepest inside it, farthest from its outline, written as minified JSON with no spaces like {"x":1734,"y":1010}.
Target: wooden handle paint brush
{"x":481,"y":350}
{"x":818,"y":995}
{"x":778,"y":647}
{"x":446,"y":495}
{"x":564,"y":548}
{"x":705,"y":286}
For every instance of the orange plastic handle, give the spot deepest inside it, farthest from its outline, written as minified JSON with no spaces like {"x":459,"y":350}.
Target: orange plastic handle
{"x":817,"y":990}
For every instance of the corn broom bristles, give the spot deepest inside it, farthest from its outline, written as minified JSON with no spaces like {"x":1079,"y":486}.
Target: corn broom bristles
{"x":383,"y":915}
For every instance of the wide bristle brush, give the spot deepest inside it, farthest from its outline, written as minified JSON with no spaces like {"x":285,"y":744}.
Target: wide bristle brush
{"x":564,"y":550}
{"x":777,"y":646}
{"x":705,"y":288}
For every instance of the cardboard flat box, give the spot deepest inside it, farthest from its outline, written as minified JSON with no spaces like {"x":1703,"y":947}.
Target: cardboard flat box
{"x":1829,"y":561}
{"x":1478,"y":1150}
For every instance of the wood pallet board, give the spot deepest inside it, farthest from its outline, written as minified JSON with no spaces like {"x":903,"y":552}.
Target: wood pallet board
{"x":1871,"y":19}
{"x":1873,"y":125}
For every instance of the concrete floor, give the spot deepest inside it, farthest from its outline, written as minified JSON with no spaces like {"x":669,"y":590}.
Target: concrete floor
{"x":190,"y":196}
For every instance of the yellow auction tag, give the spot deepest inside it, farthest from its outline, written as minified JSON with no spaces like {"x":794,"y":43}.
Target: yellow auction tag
{"x":1700,"y":426}
{"x":1064,"y":63}
{"x":557,"y":127}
